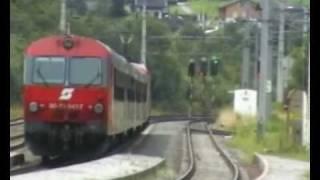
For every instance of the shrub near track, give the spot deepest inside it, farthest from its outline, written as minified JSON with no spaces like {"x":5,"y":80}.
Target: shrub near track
{"x":16,"y":111}
{"x":274,"y":142}
{"x":210,"y":7}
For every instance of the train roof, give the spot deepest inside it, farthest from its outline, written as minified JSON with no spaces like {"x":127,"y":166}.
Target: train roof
{"x":53,"y":45}
{"x":85,"y":46}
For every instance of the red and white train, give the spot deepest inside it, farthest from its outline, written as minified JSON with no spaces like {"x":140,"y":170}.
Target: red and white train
{"x":79,"y":93}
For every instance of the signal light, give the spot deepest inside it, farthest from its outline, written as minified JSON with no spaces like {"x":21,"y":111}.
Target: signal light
{"x":204,"y":66}
{"x":68,"y":42}
{"x":191,"y":69}
{"x":214,"y":66}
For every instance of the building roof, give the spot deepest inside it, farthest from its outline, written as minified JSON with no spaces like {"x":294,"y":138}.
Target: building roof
{"x":152,"y":3}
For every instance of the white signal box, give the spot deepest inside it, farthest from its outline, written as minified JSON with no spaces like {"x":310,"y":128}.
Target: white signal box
{"x":245,"y":102}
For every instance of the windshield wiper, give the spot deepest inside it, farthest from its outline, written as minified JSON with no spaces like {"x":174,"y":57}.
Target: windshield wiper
{"x":93,"y":79}
{"x":42,"y":77}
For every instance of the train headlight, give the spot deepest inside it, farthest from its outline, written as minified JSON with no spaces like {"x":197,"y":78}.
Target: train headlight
{"x":98,"y":108}
{"x":33,"y":107}
{"x":68,"y":43}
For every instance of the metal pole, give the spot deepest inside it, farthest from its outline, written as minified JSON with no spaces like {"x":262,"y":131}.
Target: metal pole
{"x":245,"y":59}
{"x":308,"y":101}
{"x":62,"y":25}
{"x":280,"y":82}
{"x":191,"y":97}
{"x":144,"y":34}
{"x":265,"y":83}
{"x":256,"y":59}
{"x":307,"y":128}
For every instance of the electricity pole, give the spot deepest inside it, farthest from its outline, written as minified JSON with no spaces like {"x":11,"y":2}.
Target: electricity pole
{"x":265,"y":83}
{"x":307,"y":128}
{"x":256,"y":58}
{"x":62,"y":25}
{"x":308,"y":100}
{"x":245,"y":58}
{"x":144,"y":34}
{"x":280,"y":74}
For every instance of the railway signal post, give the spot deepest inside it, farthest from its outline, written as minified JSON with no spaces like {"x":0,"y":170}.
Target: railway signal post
{"x":206,"y":67}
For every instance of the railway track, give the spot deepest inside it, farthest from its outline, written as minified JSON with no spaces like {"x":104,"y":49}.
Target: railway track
{"x":178,"y":117}
{"x":19,"y":143}
{"x":196,"y":155}
{"x":17,"y":140}
{"x":37,"y":165}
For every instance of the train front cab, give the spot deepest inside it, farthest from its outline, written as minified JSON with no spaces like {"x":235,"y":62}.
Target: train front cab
{"x":65,"y":103}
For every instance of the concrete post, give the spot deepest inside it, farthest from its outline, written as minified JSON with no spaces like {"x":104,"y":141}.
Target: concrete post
{"x":144,"y":34}
{"x":280,"y":75}
{"x":62,"y":25}
{"x":245,"y":59}
{"x":265,"y":82}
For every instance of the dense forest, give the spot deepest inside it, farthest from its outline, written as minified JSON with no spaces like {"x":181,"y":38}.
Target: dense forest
{"x":167,"y":57}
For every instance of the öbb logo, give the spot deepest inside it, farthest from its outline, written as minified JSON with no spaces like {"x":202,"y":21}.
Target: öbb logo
{"x":66,"y":94}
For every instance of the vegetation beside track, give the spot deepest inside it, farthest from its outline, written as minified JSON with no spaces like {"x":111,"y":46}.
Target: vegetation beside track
{"x":167,"y":58}
{"x":307,"y":175}
{"x":275,"y":141}
{"x":209,"y":7}
{"x":16,"y":111}
{"x":175,"y":9}
{"x":162,"y":173}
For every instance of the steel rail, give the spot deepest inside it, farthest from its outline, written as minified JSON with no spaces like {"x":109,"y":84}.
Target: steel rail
{"x":228,"y":160}
{"x":181,"y":117}
{"x":17,"y":141}
{"x":16,"y":121}
{"x":191,"y":168}
{"x":13,"y":124}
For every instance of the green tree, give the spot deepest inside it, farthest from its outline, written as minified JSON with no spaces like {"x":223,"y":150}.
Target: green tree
{"x":298,"y":71}
{"x":167,"y":57}
{"x":117,"y":9}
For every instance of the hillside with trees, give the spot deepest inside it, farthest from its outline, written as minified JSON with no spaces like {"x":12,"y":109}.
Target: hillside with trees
{"x":167,"y":57}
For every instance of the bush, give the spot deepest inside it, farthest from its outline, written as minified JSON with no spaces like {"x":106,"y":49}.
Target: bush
{"x":274,"y":142}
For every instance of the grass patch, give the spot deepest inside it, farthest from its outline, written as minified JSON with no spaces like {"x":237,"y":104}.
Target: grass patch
{"x":306,"y":176}
{"x":275,"y":141}
{"x":16,"y":111}
{"x":226,"y":119}
{"x":210,"y":7}
{"x":158,"y":111}
{"x":160,"y":173}
{"x":175,"y":9}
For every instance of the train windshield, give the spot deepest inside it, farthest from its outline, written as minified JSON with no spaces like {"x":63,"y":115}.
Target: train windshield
{"x":59,"y":70}
{"x":85,"y":71}
{"x":49,"y":70}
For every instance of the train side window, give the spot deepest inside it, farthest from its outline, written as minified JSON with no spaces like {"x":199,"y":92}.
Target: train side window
{"x":119,"y":94}
{"x":130,"y":95}
{"x":138,"y":92}
{"x":119,"y":89}
{"x":143,"y":93}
